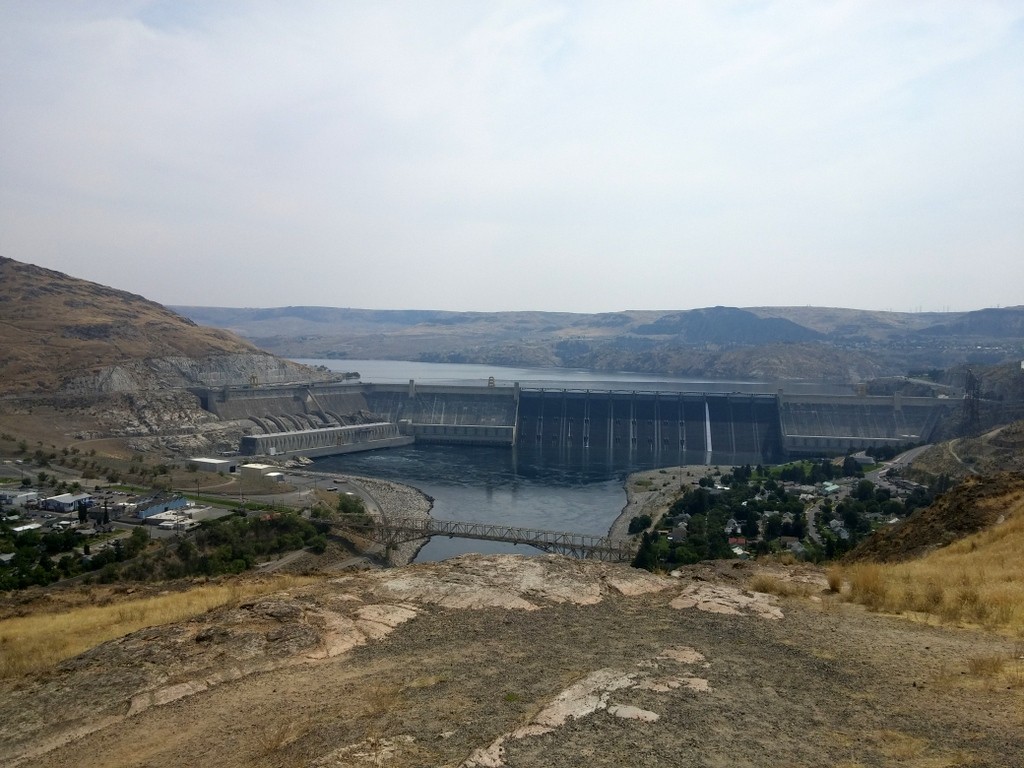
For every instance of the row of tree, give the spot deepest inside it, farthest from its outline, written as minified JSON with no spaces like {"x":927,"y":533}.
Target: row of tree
{"x":43,"y":558}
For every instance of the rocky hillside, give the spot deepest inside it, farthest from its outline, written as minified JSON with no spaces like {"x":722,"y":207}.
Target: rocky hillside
{"x":997,"y":450}
{"x":813,"y":343}
{"x":971,"y":506}
{"x":514,"y":661}
{"x":65,"y":334}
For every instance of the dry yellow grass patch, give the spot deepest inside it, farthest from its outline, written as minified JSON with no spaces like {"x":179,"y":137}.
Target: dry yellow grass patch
{"x":41,"y":640}
{"x":977,"y":580}
{"x":773,"y":585}
{"x":900,"y":746}
{"x":905,"y":749}
{"x":834,"y":576}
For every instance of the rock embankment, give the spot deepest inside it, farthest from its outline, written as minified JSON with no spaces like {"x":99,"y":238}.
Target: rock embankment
{"x":394,"y":500}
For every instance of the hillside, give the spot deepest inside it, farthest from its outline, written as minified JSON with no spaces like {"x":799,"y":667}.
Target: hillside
{"x":515,"y":661}
{"x":975,"y":504}
{"x":998,"y":450}
{"x":778,"y":343}
{"x":62,"y":333}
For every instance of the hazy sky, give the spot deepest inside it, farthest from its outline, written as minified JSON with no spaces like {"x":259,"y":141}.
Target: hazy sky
{"x":580,"y":156}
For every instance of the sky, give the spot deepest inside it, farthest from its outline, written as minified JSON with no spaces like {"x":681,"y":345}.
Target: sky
{"x":561,"y":156}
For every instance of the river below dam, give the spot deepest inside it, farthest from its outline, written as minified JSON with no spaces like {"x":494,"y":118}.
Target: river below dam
{"x":580,"y":490}
{"x":524,"y":488}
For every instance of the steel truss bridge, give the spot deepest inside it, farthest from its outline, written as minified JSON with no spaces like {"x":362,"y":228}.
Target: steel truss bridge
{"x":392,"y":531}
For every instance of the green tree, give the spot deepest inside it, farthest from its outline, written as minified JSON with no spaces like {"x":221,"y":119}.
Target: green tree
{"x":646,"y":558}
{"x":351,"y":505}
{"x":864,"y":490}
{"x":639,"y":523}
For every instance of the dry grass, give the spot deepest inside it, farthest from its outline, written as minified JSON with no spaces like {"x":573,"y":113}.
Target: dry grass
{"x":276,"y":737}
{"x":1014,"y":676}
{"x":867,"y":585}
{"x":834,"y":576}
{"x":978,"y":580}
{"x":986,"y":666}
{"x":43,"y":639}
{"x":773,"y":585}
{"x":897,"y":745}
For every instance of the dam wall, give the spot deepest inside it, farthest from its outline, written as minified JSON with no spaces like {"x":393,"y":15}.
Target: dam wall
{"x":650,"y":422}
{"x":325,"y":442}
{"x":820,"y":424}
{"x":451,"y":415}
{"x":731,"y":423}
{"x":313,"y":404}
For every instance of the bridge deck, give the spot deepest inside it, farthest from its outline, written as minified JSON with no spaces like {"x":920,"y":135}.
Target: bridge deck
{"x":395,"y":530}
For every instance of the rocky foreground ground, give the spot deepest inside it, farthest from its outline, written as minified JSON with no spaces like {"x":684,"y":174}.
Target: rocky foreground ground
{"x":543,"y":661}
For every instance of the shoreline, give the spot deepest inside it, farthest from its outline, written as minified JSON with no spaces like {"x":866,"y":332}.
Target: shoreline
{"x":652,"y":492}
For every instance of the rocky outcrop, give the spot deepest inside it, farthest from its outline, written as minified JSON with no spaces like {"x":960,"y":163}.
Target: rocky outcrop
{"x":180,"y":372}
{"x":484,"y":662}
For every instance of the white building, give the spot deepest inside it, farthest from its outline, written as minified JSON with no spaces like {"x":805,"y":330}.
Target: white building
{"x":205,"y":464}
{"x":67,"y":502}
{"x":255,"y":471}
{"x":18,"y":498}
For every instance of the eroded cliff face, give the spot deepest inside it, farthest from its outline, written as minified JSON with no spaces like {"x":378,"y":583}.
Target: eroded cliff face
{"x":180,"y":372}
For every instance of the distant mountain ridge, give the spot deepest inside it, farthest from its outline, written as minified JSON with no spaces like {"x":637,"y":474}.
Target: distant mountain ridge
{"x":819,"y":343}
{"x":727,"y":325}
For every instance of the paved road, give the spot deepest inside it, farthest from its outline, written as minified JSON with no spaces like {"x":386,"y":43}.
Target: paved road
{"x":812,"y":531}
{"x":273,"y":565}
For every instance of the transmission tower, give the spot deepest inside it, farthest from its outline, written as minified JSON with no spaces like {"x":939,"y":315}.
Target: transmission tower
{"x":971,"y":419}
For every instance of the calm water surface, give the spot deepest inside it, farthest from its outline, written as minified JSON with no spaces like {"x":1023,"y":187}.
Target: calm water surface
{"x":529,"y":488}
{"x":399,"y":372}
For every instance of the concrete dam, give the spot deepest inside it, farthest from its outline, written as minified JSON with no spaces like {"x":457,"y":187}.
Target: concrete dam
{"x":323,"y":419}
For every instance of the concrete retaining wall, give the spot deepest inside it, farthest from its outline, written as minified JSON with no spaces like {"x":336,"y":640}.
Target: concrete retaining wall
{"x":324,"y":442}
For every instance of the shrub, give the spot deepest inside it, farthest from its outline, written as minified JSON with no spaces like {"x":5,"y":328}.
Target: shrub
{"x":835,"y":580}
{"x":867,"y":585}
{"x":773,"y":585}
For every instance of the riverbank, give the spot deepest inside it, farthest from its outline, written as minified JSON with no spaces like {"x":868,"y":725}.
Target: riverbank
{"x":390,"y":500}
{"x":653,"y":491}
{"x":650,"y":492}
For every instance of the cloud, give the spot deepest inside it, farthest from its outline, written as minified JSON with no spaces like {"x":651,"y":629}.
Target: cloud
{"x":518,"y":156}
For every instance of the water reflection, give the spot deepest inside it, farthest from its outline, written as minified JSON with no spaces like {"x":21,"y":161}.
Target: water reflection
{"x":554,"y":489}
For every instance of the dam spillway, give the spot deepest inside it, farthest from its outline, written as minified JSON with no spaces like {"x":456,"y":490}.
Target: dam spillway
{"x":318,"y":419}
{"x":649,"y":421}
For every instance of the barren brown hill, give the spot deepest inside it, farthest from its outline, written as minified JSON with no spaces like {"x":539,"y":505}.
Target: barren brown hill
{"x":59,"y":331}
{"x":997,"y":450}
{"x":771,"y":343}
